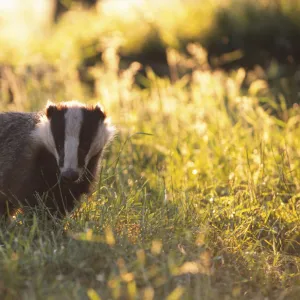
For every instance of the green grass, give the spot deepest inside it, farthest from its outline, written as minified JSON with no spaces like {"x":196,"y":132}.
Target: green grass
{"x":198,"y":196}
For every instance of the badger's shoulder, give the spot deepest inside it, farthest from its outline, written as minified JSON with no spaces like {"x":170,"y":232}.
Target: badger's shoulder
{"x":15,"y":139}
{"x":17,"y":121}
{"x":16,"y":128}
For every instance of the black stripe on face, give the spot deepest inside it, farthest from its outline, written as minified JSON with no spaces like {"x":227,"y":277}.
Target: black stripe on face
{"x":89,"y":128}
{"x":58,"y":125}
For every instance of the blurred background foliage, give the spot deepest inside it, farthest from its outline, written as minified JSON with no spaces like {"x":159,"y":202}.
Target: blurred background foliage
{"x":69,"y":36}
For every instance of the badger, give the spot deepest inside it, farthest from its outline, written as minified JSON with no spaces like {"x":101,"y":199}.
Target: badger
{"x":51,"y":155}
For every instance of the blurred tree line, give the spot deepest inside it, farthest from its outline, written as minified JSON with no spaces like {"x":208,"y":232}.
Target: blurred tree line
{"x":62,"y":6}
{"x":253,"y":34}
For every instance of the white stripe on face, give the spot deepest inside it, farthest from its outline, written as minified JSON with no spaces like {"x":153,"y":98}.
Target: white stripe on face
{"x":43,"y":135}
{"x":73,"y":118}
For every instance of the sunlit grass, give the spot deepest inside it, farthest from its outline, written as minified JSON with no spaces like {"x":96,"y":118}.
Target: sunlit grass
{"x":198,"y":196}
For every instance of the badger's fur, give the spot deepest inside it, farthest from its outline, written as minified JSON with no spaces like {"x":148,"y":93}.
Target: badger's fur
{"x":51,"y":155}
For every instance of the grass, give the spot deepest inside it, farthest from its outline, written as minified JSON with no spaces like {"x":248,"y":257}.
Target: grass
{"x":198,"y":196}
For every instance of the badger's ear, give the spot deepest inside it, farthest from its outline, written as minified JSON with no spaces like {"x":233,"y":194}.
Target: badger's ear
{"x":50,"y":108}
{"x":99,"y":109}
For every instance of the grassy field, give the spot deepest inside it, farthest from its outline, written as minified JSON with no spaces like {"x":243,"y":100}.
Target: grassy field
{"x":198,"y":196}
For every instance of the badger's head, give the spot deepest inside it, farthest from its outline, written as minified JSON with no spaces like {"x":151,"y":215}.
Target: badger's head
{"x":75,"y":134}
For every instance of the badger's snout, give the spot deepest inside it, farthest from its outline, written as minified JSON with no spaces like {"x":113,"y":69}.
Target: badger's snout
{"x":70,"y":175}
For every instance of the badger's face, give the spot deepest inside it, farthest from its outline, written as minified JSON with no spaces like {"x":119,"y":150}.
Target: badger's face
{"x":74,"y":134}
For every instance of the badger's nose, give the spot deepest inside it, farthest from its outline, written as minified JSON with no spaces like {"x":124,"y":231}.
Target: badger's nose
{"x":70,"y":175}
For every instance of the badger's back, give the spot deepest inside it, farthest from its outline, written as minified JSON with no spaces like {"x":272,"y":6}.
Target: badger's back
{"x":54,"y":153}
{"x":15,"y":130}
{"x":17,"y":156}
